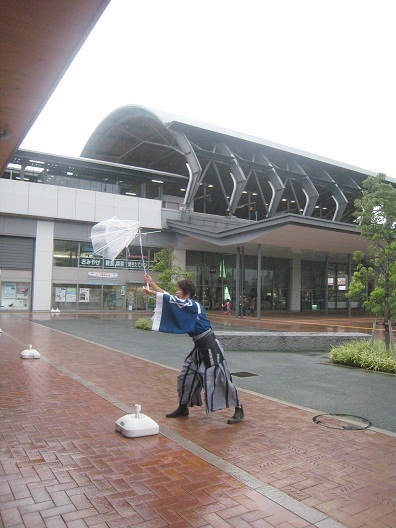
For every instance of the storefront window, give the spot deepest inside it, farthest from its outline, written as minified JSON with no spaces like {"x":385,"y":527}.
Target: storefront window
{"x":213,"y":274}
{"x":102,"y":292}
{"x":135,"y":299}
{"x":114,"y":297}
{"x":89,"y":297}
{"x":87,"y":257}
{"x":73,"y":254}
{"x":215,"y":277}
{"x":312,"y":285}
{"x":64,"y":297}
{"x":65,"y":253}
{"x":337,"y":285}
{"x":15,"y":295}
{"x":108,"y":297}
{"x":275,"y":275}
{"x":248,"y":298}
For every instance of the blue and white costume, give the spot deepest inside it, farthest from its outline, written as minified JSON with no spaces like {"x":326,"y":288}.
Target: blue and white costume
{"x":206,"y":366}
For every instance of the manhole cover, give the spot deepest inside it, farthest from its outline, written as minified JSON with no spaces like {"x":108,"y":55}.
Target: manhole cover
{"x":334,"y":421}
{"x":243,"y":374}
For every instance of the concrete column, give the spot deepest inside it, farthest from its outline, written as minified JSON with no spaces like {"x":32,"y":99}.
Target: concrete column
{"x":326,"y":286}
{"x":258,"y":292}
{"x":349,"y":283}
{"x":295,"y":285}
{"x":237,"y":281}
{"x":242,"y":281}
{"x":180,"y":259}
{"x":42,"y":272}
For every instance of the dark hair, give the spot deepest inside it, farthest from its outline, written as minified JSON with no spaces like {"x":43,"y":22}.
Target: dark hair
{"x":186,"y":287}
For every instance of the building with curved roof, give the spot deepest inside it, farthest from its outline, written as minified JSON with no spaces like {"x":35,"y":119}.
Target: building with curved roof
{"x":268,"y":226}
{"x":275,"y":178}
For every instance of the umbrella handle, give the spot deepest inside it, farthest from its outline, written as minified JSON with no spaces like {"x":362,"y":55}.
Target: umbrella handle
{"x":141,"y":251}
{"x":141,"y":254}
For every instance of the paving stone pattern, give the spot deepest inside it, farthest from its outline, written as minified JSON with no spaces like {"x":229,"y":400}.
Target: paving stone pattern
{"x":63,"y":465}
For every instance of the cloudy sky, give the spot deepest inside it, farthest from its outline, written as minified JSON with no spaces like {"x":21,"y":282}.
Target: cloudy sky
{"x":317,"y":75}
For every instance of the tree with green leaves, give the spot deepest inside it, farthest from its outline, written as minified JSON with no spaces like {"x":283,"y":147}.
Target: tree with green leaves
{"x":168,"y":273}
{"x":376,"y":219}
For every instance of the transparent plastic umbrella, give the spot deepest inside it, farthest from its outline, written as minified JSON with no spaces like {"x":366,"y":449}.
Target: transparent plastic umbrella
{"x":110,"y":237}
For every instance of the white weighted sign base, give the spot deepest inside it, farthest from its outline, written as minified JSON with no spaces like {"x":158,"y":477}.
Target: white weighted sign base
{"x":135,"y":425}
{"x":30,"y":353}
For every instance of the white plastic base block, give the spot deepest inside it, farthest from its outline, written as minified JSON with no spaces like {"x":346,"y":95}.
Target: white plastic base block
{"x":134,"y":425}
{"x":30,"y":353}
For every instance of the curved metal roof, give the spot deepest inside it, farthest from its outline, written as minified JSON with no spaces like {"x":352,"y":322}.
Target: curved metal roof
{"x":229,"y":173}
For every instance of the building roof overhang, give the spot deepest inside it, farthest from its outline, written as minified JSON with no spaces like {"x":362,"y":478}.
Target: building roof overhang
{"x":39,"y":40}
{"x":292,"y":232}
{"x":33,"y":157}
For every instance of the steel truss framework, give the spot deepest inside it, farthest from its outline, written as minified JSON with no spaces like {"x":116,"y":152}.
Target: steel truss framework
{"x":227,"y":175}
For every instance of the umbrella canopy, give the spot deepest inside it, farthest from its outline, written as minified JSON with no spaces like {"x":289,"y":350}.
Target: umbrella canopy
{"x":110,"y":237}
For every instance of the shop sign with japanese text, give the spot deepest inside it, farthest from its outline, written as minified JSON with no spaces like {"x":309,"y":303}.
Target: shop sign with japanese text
{"x":114,"y":263}
{"x":135,"y":265}
{"x":91,"y":262}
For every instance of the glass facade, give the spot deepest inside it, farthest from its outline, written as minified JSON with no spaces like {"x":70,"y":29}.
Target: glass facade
{"x":215,"y":276}
{"x":312,"y":285}
{"x":86,"y":282}
{"x":81,"y":255}
{"x":275,"y":285}
{"x":65,"y":253}
{"x":15,"y":295}
{"x":97,"y":297}
{"x":106,"y":285}
{"x":337,"y":285}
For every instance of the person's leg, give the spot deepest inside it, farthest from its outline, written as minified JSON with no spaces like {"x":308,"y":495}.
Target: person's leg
{"x":189,"y":386}
{"x":237,"y":416}
{"x":220,"y":390}
{"x":221,"y":393}
{"x":182,"y":410}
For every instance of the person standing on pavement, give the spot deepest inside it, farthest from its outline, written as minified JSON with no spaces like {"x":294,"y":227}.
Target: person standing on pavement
{"x":227,"y":306}
{"x":206,"y":366}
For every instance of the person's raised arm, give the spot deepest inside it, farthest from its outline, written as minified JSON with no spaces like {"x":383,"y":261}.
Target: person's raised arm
{"x":148,"y":291}
{"x":149,"y":281}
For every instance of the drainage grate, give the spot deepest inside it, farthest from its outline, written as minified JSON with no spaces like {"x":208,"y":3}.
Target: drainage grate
{"x":243,"y":374}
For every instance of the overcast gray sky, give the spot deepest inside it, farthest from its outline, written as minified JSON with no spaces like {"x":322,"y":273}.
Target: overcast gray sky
{"x":316,"y":75}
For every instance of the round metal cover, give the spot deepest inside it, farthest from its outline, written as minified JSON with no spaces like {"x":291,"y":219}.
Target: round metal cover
{"x":334,"y":421}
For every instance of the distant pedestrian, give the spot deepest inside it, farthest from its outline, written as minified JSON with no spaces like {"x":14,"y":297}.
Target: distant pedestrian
{"x":252,"y":306}
{"x":227,"y":306}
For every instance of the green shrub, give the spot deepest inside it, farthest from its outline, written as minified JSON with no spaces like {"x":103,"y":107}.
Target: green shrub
{"x":365,"y":355}
{"x":144,"y":323}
